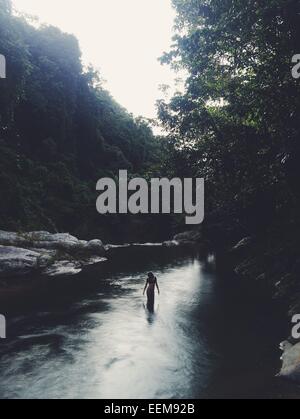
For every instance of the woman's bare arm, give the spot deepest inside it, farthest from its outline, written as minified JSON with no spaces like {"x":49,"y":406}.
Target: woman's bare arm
{"x":145,"y":287}
{"x":157,"y":286}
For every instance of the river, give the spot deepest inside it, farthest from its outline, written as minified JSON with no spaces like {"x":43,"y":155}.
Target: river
{"x":206,"y":339}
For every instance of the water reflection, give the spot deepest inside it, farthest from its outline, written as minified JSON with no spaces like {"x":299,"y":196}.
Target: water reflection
{"x":102,"y":348}
{"x":151,"y":312}
{"x":109,"y":344}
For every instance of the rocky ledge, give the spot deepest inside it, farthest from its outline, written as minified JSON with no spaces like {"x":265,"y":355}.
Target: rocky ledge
{"x":46,"y":254}
{"x":43,"y":253}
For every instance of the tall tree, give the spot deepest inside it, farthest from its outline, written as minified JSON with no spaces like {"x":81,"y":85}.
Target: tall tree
{"x":240,"y":109}
{"x":60,"y":131}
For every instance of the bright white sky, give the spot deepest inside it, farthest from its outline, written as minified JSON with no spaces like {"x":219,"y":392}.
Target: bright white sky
{"x":122,"y":38}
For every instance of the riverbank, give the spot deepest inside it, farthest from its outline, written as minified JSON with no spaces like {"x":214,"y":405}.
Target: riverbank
{"x":41,"y":253}
{"x":90,"y":336}
{"x":274,"y":267}
{"x":30,"y":262}
{"x":35,"y":263}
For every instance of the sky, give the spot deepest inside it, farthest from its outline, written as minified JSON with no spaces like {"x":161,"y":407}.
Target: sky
{"x":121,"y":38}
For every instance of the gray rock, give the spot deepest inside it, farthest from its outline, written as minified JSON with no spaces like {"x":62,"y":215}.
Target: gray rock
{"x":95,"y":260}
{"x":50,"y":254}
{"x":45,"y":240}
{"x":172,"y":243}
{"x":17,"y":261}
{"x":63,"y":267}
{"x":63,"y":242}
{"x":46,"y":258}
{"x":71,"y":267}
{"x":10,"y":239}
{"x":116,"y":246}
{"x":146,"y":245}
{"x":291,"y":362}
{"x":95,"y":247}
{"x":63,"y":237}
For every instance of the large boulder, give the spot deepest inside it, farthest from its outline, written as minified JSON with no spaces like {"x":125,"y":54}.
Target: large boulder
{"x":38,"y":239}
{"x":291,"y":362}
{"x":95,"y":247}
{"x":44,"y":240}
{"x":62,"y":241}
{"x":46,"y":253}
{"x":17,"y":261}
{"x":10,"y":239}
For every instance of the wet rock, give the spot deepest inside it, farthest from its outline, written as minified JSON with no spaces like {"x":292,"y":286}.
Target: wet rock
{"x":63,"y":267}
{"x":95,"y":247}
{"x":171,"y":243}
{"x":17,"y":261}
{"x":95,"y":260}
{"x":46,"y":253}
{"x":71,"y":267}
{"x":44,"y":240}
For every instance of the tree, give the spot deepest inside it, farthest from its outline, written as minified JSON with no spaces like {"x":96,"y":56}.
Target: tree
{"x":240,"y":109}
{"x":60,"y":131}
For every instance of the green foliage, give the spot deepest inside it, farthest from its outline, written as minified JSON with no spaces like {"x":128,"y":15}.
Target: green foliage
{"x":237,"y":123}
{"x":60,"y":131}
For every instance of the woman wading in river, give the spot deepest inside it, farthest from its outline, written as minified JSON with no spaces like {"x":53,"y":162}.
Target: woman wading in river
{"x":151,"y":283}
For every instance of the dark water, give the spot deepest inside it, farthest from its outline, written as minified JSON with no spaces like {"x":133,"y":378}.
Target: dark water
{"x":205,"y":339}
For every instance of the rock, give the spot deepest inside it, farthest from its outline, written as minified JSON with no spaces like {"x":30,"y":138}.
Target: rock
{"x":171,"y":243}
{"x":286,"y":346}
{"x":43,"y":240}
{"x":70,"y":267}
{"x":10,"y":239}
{"x":61,"y":237}
{"x":63,"y":267}
{"x":17,"y":261}
{"x":49,"y":254}
{"x":95,"y":260}
{"x":64,"y":242}
{"x":95,"y":247}
{"x":291,"y":362}
{"x":116,"y":246}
